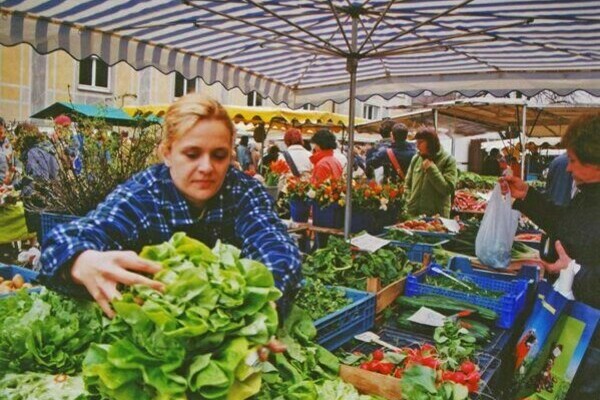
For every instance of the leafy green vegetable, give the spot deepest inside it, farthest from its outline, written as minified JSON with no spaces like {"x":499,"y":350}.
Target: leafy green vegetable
{"x":319,"y":300}
{"x":418,"y":383}
{"x":39,"y":386}
{"x":46,"y":332}
{"x":193,"y":338}
{"x":297,"y":373}
{"x":340,"y":390}
{"x":336,"y":264}
{"x":471,"y":180}
{"x":454,"y":344}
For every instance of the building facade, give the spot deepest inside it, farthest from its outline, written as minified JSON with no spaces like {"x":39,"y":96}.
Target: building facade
{"x":30,"y":82}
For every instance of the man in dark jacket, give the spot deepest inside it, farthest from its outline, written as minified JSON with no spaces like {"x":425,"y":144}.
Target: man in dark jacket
{"x":402,"y":154}
{"x":385,"y":130}
{"x":559,"y":184}
{"x":577,"y":230}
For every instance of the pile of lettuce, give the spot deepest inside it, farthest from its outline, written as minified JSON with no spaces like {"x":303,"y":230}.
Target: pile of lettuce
{"x":198,"y":338}
{"x":41,"y":386}
{"x":46,"y":332}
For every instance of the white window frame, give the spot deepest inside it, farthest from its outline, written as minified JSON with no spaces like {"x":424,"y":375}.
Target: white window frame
{"x":371,"y":111}
{"x":255,"y":95}
{"x":93,"y":87}
{"x":309,"y":107}
{"x":185,"y":84}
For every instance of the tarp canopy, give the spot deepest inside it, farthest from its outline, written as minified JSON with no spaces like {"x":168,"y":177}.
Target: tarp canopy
{"x":469,"y":116}
{"x":112,"y":115}
{"x":264,"y":114}
{"x":297,"y":51}
{"x":310,"y":51}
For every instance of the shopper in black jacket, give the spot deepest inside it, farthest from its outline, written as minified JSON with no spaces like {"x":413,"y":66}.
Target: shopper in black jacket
{"x":576,"y":228}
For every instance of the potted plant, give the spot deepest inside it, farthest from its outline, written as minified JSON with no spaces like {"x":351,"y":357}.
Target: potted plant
{"x":328,"y":200}
{"x":296,"y":191}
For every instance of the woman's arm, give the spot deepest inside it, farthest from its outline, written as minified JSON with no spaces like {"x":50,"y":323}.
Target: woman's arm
{"x":444,"y":177}
{"x":264,"y":237}
{"x":79,"y":258}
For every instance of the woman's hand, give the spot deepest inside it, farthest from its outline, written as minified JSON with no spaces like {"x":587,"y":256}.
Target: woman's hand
{"x":101,"y":271}
{"x":518,"y":188}
{"x":561,"y":263}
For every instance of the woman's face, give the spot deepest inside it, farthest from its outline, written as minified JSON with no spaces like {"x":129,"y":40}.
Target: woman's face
{"x":422,"y":147}
{"x":582,"y":173}
{"x":199,"y":160}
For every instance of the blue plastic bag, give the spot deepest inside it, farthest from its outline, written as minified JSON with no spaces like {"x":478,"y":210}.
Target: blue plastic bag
{"x":497,"y":231}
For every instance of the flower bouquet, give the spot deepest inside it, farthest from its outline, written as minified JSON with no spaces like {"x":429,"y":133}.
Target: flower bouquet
{"x":276,"y":170}
{"x":296,"y":191}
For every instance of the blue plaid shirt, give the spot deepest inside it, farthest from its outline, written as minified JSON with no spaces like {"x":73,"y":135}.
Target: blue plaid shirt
{"x":148,"y":209}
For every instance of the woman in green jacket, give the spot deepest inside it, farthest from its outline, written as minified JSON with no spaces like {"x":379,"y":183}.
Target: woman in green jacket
{"x":431,"y":177}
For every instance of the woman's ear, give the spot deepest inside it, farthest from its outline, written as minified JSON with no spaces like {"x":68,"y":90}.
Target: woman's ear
{"x":164,"y":152}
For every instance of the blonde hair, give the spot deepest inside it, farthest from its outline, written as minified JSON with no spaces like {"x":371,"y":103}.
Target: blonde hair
{"x":188,"y":111}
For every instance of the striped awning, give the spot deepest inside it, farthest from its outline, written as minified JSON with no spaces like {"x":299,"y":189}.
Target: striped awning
{"x":296,"y":51}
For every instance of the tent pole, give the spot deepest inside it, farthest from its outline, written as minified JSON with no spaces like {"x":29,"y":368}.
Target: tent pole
{"x":352,"y":64}
{"x":523,"y":139}
{"x":435,"y":120}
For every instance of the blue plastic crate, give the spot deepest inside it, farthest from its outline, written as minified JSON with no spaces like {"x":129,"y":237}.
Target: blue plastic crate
{"x":463,"y":264}
{"x":508,"y":306}
{"x":416,"y":251}
{"x":9,"y":271}
{"x":488,"y":364}
{"x":51,"y":220}
{"x":337,"y":328}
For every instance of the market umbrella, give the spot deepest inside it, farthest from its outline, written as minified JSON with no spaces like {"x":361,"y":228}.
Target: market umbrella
{"x":310,"y":51}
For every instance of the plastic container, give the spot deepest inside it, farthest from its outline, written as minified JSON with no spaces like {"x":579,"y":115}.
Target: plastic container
{"x":9,"y":271}
{"x":508,"y":306}
{"x":337,"y":328}
{"x":463,"y":264}
{"x":51,"y":220}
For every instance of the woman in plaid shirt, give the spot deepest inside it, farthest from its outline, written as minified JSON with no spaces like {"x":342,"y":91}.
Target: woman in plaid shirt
{"x":195,"y":190}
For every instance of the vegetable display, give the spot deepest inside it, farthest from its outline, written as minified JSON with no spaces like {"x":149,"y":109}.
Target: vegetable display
{"x":46,"y":332}
{"x":441,"y":371}
{"x":424,"y":225}
{"x":17,"y":282}
{"x":471,"y":180}
{"x":464,"y":244}
{"x":319,"y":300}
{"x":195,"y":338}
{"x":297,"y":373}
{"x":410,"y":238}
{"x":337,"y":264}
{"x":388,"y":264}
{"x":466,"y":200}
{"x":40,"y":386}
{"x":445,"y":282}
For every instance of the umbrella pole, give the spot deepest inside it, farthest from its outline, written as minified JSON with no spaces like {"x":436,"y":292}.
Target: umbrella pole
{"x":351,"y":66}
{"x":523,"y":139}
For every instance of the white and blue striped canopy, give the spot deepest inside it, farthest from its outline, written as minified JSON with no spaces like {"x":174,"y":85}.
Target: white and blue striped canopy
{"x":295,"y":51}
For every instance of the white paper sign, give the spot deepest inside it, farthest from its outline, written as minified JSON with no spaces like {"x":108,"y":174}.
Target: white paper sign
{"x":368,"y":242}
{"x":427,"y":316}
{"x":450,"y":224}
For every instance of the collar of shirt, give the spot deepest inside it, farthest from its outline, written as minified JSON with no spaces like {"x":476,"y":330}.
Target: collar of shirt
{"x":319,"y":155}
